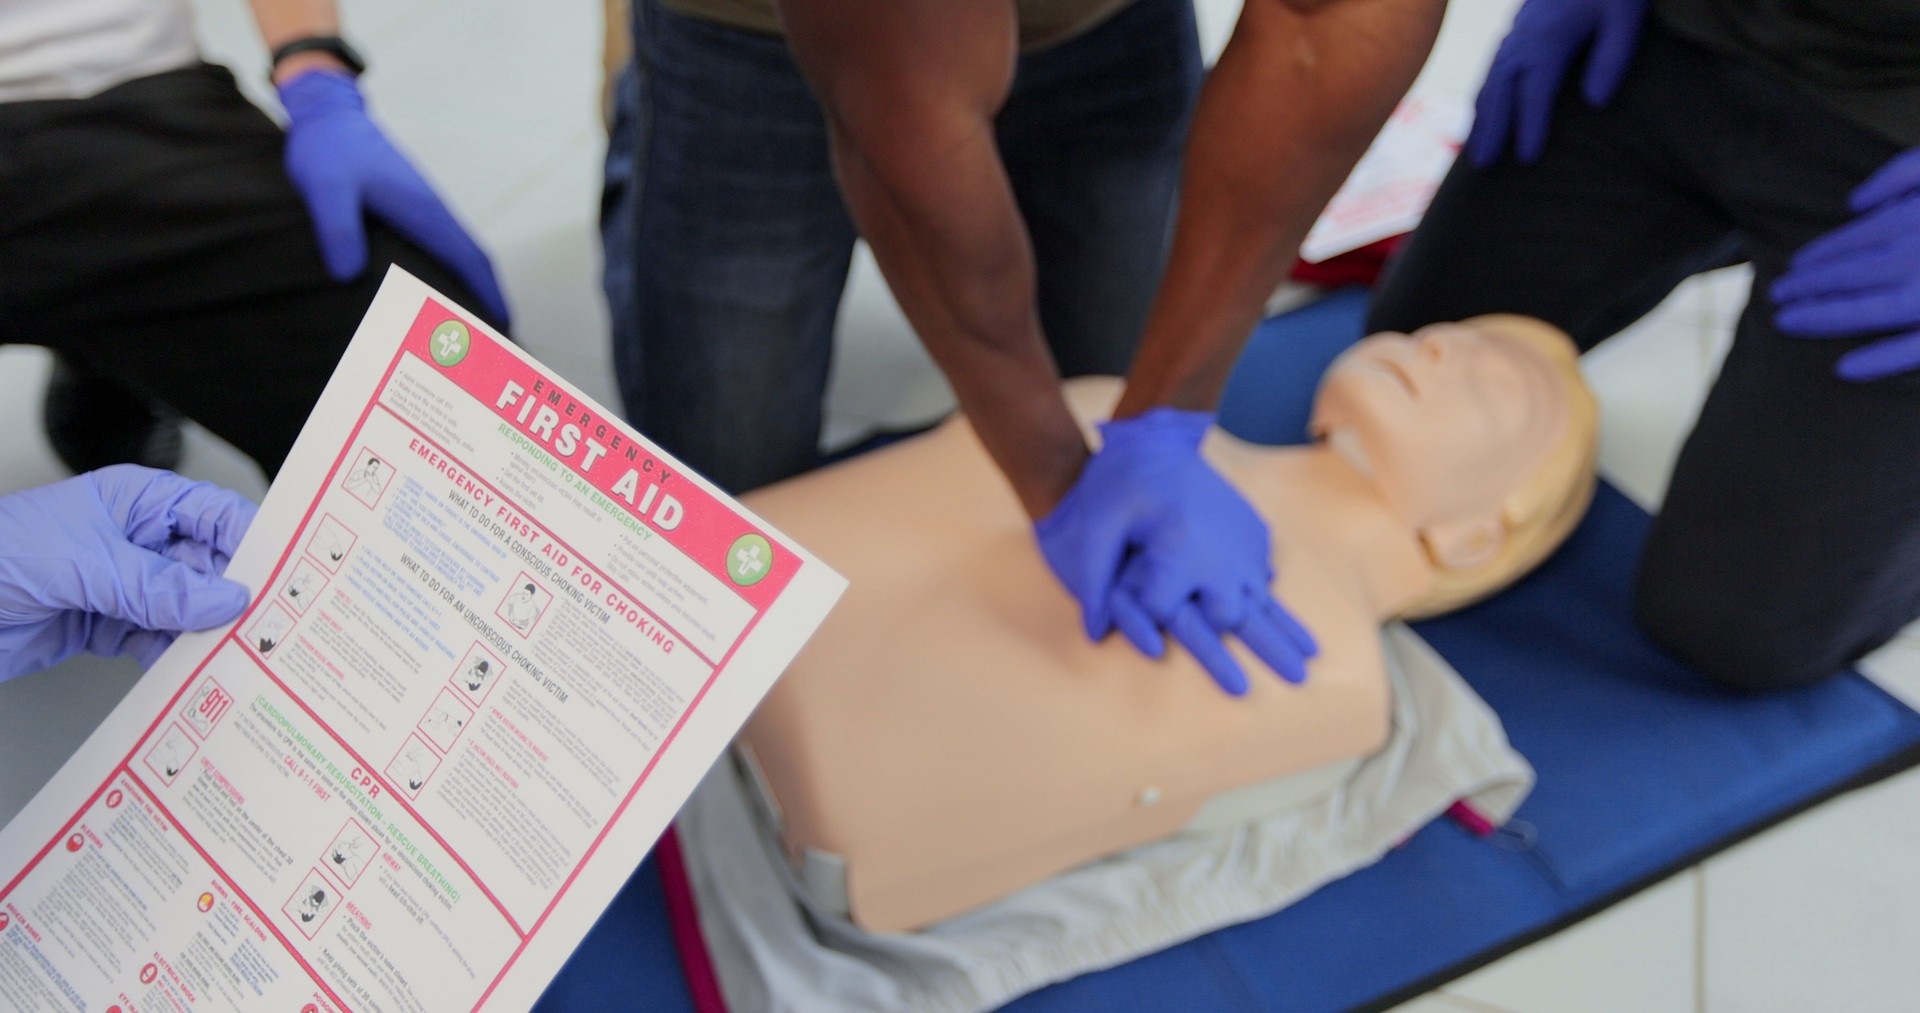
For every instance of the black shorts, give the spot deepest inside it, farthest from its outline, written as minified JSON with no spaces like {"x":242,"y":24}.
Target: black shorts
{"x":150,"y":232}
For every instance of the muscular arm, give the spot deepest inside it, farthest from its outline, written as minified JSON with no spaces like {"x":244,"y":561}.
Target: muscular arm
{"x":1297,"y":96}
{"x":910,"y":91}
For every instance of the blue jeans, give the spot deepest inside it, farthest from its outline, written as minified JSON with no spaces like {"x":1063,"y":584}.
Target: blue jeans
{"x":728,"y":245}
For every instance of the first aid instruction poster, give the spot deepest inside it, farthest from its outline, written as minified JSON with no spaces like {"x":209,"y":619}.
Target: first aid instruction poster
{"x":496,"y":639}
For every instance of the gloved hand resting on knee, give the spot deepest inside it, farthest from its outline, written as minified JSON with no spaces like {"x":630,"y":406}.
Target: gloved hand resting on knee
{"x":1863,"y":278}
{"x":1547,"y":37}
{"x":345,"y":168}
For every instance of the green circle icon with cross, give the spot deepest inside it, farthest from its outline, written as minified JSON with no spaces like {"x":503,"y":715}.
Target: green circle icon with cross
{"x":749,"y":560}
{"x":449,"y":343}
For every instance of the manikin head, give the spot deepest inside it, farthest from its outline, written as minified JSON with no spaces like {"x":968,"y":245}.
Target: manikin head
{"x":1480,"y":435}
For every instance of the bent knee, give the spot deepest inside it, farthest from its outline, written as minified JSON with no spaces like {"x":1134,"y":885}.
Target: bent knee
{"x":1738,"y":646}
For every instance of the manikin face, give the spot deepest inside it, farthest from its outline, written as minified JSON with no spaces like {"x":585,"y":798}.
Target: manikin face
{"x":1447,"y":421}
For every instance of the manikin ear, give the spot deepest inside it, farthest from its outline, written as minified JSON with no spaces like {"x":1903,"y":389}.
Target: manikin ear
{"x":1464,"y":543}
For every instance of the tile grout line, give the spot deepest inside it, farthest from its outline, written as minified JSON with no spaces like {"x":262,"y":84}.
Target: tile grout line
{"x":1472,"y":1005}
{"x":1700,"y":939}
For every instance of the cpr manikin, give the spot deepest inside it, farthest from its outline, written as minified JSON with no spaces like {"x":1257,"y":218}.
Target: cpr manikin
{"x":949,"y":736}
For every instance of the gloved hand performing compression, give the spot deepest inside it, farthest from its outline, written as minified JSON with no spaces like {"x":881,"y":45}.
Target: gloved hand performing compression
{"x":1863,"y":278}
{"x":345,"y":167}
{"x":115,"y":561}
{"x":1151,"y":538}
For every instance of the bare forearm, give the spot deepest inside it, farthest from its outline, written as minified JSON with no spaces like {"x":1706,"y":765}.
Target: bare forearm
{"x":282,"y":21}
{"x":1297,"y":96}
{"x":909,"y":91}
{"x":956,"y":254}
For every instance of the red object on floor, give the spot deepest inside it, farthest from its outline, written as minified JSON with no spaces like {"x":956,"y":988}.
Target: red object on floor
{"x":1471,"y":820}
{"x":1355,"y":267}
{"x":695,"y":961}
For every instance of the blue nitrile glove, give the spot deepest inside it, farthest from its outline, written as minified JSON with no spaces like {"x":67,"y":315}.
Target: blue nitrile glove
{"x":1152,"y":538}
{"x":344,"y":167}
{"x":1863,"y":277}
{"x":115,"y":561}
{"x":1547,"y":36}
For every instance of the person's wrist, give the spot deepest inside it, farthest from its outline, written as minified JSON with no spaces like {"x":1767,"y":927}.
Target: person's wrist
{"x":1181,"y":426}
{"x":1047,"y":478}
{"x":298,"y":64}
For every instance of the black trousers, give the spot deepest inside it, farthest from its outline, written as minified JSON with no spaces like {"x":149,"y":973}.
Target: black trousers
{"x":1789,"y":543}
{"x":151,"y":233}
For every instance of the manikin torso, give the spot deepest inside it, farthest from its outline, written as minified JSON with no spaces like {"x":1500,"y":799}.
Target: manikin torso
{"x":953,"y":736}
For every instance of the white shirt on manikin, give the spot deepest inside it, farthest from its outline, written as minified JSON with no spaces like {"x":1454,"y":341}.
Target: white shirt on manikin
{"x":52,"y":49}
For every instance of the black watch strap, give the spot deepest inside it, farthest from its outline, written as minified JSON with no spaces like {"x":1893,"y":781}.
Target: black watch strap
{"x":332,"y":44}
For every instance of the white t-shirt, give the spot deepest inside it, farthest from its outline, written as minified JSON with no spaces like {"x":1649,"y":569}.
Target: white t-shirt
{"x":76,"y":48}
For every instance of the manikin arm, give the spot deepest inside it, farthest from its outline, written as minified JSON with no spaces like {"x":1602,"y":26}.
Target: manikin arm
{"x":1299,"y":93}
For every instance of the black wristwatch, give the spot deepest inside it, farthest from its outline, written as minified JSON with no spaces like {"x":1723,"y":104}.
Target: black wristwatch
{"x":332,"y":44}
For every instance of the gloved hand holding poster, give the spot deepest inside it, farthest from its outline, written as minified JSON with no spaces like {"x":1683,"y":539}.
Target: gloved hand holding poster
{"x":495,"y":638}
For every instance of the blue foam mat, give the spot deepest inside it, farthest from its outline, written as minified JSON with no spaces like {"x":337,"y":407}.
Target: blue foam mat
{"x":628,"y":961}
{"x":1644,"y":768}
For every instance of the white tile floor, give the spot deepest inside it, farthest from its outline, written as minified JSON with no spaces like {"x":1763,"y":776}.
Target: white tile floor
{"x":497,"y":99}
